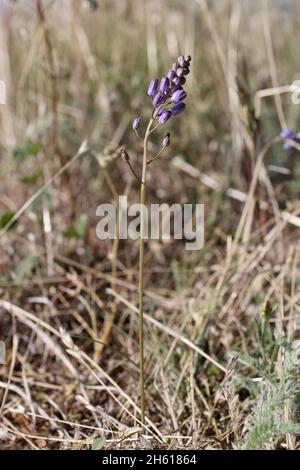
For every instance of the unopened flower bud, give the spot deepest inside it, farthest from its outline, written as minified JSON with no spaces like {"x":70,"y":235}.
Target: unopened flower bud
{"x":178,"y":96}
{"x":187,"y":58}
{"x":159,"y":99}
{"x":182,"y":71}
{"x":177,"y":82}
{"x":166,"y":140}
{"x":177,"y":109}
{"x":153,"y":87}
{"x":164,"y":84}
{"x":124,"y":154}
{"x":171,"y":74}
{"x":165,"y":116}
{"x":136,"y":123}
{"x":181,"y":60}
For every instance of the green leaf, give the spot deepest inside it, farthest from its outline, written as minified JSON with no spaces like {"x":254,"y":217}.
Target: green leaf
{"x":98,"y":443}
{"x":26,"y":151}
{"x":80,"y":225}
{"x":71,"y":233}
{"x":79,"y":229}
{"x":32,"y":179}
{"x":6,"y":218}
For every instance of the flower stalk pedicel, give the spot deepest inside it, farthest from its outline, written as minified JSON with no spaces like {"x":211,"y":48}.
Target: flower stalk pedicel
{"x":167,"y":96}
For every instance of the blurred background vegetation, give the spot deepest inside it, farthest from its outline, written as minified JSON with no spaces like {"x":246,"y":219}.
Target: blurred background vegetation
{"x":79,"y":70}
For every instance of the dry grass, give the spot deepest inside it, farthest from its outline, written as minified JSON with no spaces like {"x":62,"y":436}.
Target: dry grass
{"x":221,"y":323}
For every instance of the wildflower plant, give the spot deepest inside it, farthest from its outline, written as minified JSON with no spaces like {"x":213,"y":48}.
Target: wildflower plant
{"x":289,"y":137}
{"x":167,"y":95}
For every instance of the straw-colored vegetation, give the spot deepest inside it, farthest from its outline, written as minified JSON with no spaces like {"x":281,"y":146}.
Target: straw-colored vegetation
{"x":221,"y":324}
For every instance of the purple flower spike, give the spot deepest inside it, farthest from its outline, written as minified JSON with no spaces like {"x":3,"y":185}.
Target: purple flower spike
{"x":169,"y":90}
{"x":177,"y":109}
{"x":166,"y":140}
{"x":164,"y":84}
{"x":136,"y":123}
{"x":153,"y":87}
{"x":178,"y":96}
{"x":159,"y":99}
{"x":165,"y":116}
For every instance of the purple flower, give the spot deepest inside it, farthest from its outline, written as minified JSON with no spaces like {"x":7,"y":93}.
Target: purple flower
{"x":136,"y":123}
{"x":153,"y":87}
{"x":177,"y":109}
{"x":182,"y":71}
{"x":177,"y":82}
{"x":171,"y":74}
{"x":168,"y":90}
{"x":297,"y":138}
{"x":164,"y":84}
{"x":287,"y":146}
{"x":159,"y":113}
{"x":287,"y":134}
{"x":159,"y":99}
{"x":166,"y":140}
{"x":178,"y":95}
{"x":165,"y":116}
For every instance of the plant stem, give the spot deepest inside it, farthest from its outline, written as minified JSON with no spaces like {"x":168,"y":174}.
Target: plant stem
{"x":141,"y":273}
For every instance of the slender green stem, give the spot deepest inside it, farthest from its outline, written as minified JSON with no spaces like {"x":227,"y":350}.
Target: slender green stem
{"x":141,"y":272}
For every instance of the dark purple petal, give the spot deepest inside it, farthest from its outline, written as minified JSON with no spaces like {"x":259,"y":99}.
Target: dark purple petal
{"x":136,"y":123}
{"x":159,"y":113}
{"x":187,"y":58}
{"x":164,"y":84}
{"x":153,"y":87}
{"x":177,"y":82}
{"x":177,"y":109}
{"x":178,"y":95}
{"x":166,"y":140}
{"x":297,"y":138}
{"x":159,"y":99}
{"x":182,"y":71}
{"x":165,"y":116}
{"x":171,"y":74}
